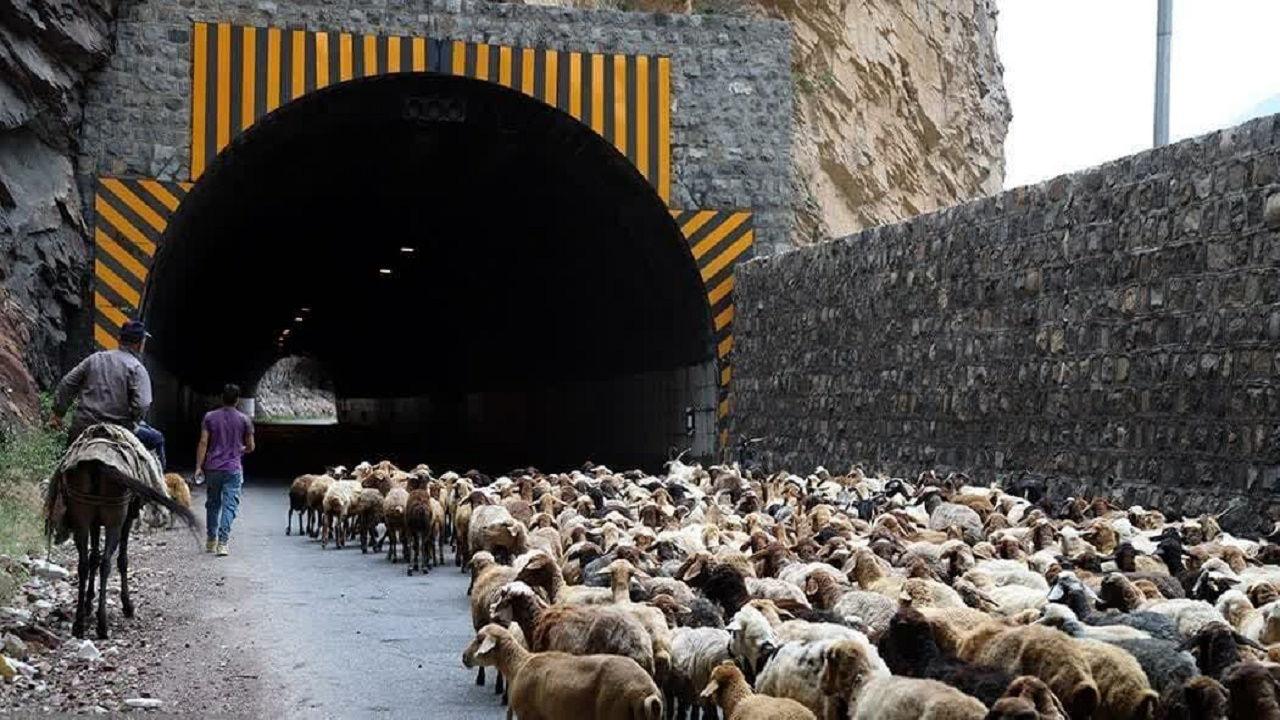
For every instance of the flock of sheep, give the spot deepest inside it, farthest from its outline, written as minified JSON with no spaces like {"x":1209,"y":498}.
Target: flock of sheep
{"x":597,"y":594}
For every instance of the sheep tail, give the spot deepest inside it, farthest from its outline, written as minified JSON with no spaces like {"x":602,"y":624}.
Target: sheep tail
{"x":650,"y":708}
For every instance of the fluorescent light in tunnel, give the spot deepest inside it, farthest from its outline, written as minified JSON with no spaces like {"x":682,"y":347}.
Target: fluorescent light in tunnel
{"x":385,"y":271}
{"x":298,"y":319}
{"x":408,"y":249}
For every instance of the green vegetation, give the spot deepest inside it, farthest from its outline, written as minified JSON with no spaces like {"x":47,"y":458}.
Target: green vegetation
{"x":28,"y":456}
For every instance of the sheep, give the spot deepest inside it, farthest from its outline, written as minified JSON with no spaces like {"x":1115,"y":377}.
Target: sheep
{"x":695,"y":652}
{"x":576,"y":629}
{"x":728,"y":689}
{"x":1123,"y":690}
{"x":316,"y":490}
{"x":494,"y":530}
{"x":1068,"y":590}
{"x":393,"y":508}
{"x":794,"y":671}
{"x":550,"y":685}
{"x":338,"y":499}
{"x":487,"y":580}
{"x":1216,"y":647}
{"x":1197,"y":698}
{"x":1261,"y":624}
{"x":298,"y":502}
{"x":180,"y":493}
{"x":909,"y":648}
{"x":1036,"y":650}
{"x":1027,"y":698}
{"x":419,"y":525}
{"x":855,"y":690}
{"x":753,"y":640}
{"x":1190,"y":616}
{"x":366,"y":512}
{"x":1254,"y":692}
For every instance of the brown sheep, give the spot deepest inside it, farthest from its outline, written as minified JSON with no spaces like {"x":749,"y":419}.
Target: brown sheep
{"x":418,"y":531}
{"x":487,"y":580}
{"x":1123,"y":689}
{"x":1037,"y":650}
{"x":181,"y":494}
{"x":552,"y":685}
{"x":729,"y":690}
{"x":298,"y":503}
{"x":1254,"y":692}
{"x":1028,"y":698}
{"x":316,"y":490}
{"x":493,"y":529}
{"x":462,"y":523}
{"x":393,"y":507}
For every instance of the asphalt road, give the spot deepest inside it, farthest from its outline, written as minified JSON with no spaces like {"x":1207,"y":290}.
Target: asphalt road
{"x":337,"y":633}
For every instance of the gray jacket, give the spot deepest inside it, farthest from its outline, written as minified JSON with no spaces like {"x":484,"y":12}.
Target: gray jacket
{"x":113,"y":387}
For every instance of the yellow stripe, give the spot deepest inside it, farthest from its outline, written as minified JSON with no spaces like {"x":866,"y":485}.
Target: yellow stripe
{"x":273,"y":69}
{"x":526,"y":71}
{"x":121,"y":255}
{"x":249,"y":76}
{"x":642,"y":115}
{"x":159,"y":192}
{"x":186,"y":186}
{"x":299,"y":63}
{"x":224,"y":85}
{"x":620,"y":102}
{"x":105,"y":340}
{"x":723,"y":412}
{"x":717,"y":294}
{"x":322,"y":59}
{"x":419,"y":54}
{"x":552,"y":67}
{"x":575,"y":85}
{"x":725,"y":347}
{"x":726,"y":374}
{"x":696,"y":222}
{"x":664,"y":128}
{"x":597,"y":93}
{"x":728,"y":256}
{"x":104,"y":273}
{"x":125,"y":227}
{"x":482,"y":61}
{"x":705,"y":245}
{"x":724,"y":318}
{"x":344,"y":57}
{"x":140,"y":208}
{"x":370,"y":55}
{"x":504,"y":66}
{"x":199,"y":95}
{"x":113,"y":314}
{"x":459,"y":58}
{"x":393,"y":54}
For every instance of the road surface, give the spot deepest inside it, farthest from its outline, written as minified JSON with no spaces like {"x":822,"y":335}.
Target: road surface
{"x":311,"y":632}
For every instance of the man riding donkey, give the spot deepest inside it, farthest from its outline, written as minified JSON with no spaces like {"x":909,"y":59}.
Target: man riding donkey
{"x":107,"y":473}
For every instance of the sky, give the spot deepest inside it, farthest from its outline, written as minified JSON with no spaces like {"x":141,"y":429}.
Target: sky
{"x":1081,"y":75}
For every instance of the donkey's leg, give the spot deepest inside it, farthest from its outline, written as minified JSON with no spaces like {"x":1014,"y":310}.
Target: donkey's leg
{"x":122,"y":564}
{"x":82,"y":576}
{"x":95,"y":559}
{"x":111,"y":542}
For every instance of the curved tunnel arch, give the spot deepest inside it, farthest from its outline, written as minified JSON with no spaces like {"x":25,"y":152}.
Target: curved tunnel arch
{"x":537,"y":285}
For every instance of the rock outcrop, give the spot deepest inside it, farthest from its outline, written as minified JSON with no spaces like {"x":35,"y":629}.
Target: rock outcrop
{"x":46,"y":48}
{"x":900,"y":109}
{"x":295,"y":387}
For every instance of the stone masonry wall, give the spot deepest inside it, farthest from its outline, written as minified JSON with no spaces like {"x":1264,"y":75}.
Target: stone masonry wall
{"x":731,"y":84}
{"x":1117,"y":329}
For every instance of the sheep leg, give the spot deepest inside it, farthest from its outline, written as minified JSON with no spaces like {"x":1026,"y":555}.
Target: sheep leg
{"x":480,"y":676}
{"x":498,"y":687}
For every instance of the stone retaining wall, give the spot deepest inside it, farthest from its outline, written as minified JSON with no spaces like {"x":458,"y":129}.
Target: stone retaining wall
{"x":1117,"y":328}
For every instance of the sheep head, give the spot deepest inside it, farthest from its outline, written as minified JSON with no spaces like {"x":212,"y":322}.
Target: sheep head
{"x":504,"y":603}
{"x":483,"y":649}
{"x":974,"y":596}
{"x":723,"y":676}
{"x":1034,"y":692}
{"x":1119,"y":593}
{"x":845,"y":667}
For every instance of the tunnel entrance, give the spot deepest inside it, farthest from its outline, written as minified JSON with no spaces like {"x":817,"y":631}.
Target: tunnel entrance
{"x":488,"y":282}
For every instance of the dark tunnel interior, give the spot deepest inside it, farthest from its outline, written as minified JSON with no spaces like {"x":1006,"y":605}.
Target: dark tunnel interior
{"x":485,"y":280}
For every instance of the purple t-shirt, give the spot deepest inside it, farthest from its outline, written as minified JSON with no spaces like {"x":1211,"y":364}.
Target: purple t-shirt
{"x":228,"y":428}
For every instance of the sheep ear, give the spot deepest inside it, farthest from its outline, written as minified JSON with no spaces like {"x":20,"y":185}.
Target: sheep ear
{"x":709,"y":692}
{"x":1056,"y":593}
{"x":486,"y":645}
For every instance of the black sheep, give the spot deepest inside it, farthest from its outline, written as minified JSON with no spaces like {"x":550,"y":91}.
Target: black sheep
{"x":1217,"y":647}
{"x":909,"y":648}
{"x":1199,"y":698}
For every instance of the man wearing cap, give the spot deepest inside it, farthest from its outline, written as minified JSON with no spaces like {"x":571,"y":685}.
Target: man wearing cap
{"x":113,"y":387}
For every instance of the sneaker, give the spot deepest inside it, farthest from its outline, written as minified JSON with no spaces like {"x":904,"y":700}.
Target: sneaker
{"x":222,"y":550}
{"x":210,"y":545}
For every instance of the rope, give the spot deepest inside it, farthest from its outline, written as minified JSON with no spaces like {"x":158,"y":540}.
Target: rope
{"x":98,"y":500}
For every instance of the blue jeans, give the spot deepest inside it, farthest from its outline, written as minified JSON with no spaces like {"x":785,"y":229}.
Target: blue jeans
{"x":153,"y":440}
{"x":221,"y":502}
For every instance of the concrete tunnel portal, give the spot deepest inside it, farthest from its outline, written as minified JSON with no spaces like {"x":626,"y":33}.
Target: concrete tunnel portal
{"x":488,"y":282}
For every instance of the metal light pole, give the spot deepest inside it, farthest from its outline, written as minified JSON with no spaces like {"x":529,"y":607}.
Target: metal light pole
{"x":1164,"y":32}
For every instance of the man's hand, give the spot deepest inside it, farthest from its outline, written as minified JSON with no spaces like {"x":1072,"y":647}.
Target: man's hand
{"x":55,"y":421}
{"x":198,"y":478}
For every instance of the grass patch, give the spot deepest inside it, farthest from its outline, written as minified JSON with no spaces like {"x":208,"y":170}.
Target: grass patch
{"x":28,"y":456}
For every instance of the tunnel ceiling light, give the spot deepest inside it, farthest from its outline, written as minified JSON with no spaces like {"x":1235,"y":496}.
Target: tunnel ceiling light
{"x":385,"y":271}
{"x":408,"y":250}
{"x":298,"y":319}
{"x":304,"y":310}
{"x":286,"y":332}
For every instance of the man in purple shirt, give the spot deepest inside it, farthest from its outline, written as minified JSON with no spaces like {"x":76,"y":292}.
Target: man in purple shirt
{"x":225,"y":436}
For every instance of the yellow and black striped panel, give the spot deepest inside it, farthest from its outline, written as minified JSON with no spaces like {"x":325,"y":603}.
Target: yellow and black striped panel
{"x":626,"y":99}
{"x":241,"y":73}
{"x":130,"y":217}
{"x":719,"y":239}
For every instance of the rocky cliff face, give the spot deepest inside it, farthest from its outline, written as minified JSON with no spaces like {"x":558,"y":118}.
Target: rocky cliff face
{"x":295,"y":387}
{"x":46,"y":47}
{"x":900,"y":109}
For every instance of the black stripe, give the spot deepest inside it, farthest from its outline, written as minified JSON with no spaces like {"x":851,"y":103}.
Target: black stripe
{"x":133,"y":251}
{"x":143,"y":226}
{"x":632,"y":113}
{"x":435,"y":56}
{"x":357,"y":56}
{"x":517,"y":67}
{"x":123,"y":274}
{"x":540,"y":74}
{"x":309,"y":65}
{"x":586,"y":88}
{"x":683,"y":217}
{"x":237,"y":80}
{"x":286,"y":66}
{"x":107,"y":324}
{"x":110,"y":295}
{"x":406,"y":54}
{"x":733,"y":236}
{"x":715,"y":222}
{"x":607,"y":97}
{"x":260,"y":74}
{"x":211,"y":96}
{"x":654,"y":109}
{"x":383,"y":45}
{"x":563,"y":90}
{"x":469,"y":57}
{"x":135,"y":186}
